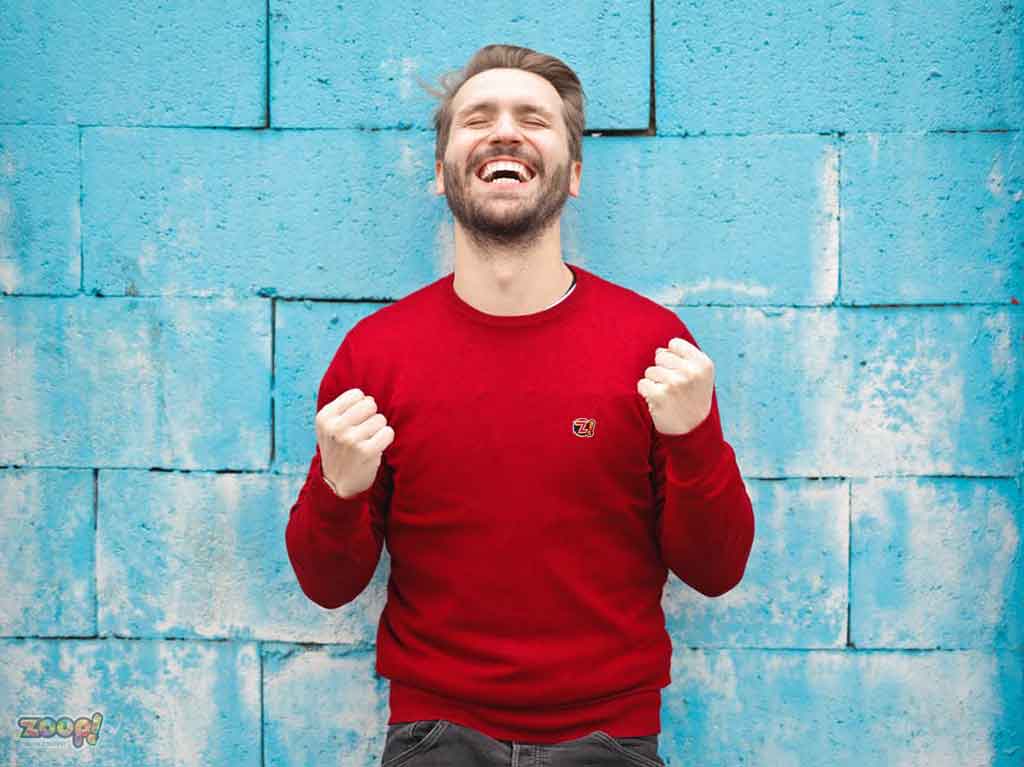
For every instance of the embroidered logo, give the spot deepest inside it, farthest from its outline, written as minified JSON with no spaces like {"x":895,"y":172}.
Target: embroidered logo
{"x":584,"y":427}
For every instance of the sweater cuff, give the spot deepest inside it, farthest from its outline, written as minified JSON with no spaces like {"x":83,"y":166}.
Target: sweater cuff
{"x":331,"y":506}
{"x":690,"y":455}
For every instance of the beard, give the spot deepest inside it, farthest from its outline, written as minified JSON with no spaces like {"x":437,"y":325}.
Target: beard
{"x":520,"y":224}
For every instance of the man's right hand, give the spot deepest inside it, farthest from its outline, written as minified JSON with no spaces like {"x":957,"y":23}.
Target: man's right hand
{"x":352,"y":436}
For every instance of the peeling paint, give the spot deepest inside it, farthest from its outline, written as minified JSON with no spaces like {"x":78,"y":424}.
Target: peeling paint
{"x":824,"y":237}
{"x":401,"y":68}
{"x":444,"y":246}
{"x":678,"y":294}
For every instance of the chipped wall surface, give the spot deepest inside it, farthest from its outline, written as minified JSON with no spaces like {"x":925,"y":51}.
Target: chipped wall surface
{"x":197,"y":201}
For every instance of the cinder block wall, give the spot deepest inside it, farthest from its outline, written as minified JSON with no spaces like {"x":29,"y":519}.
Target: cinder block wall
{"x":198,"y":200}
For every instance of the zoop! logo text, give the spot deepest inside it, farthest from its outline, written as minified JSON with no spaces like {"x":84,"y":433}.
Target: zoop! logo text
{"x":81,"y":730}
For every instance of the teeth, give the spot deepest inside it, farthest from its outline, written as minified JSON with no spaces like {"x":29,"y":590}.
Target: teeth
{"x":490,"y":168}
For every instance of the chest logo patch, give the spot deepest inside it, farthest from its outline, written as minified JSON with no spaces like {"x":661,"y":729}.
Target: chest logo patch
{"x":584,"y":427}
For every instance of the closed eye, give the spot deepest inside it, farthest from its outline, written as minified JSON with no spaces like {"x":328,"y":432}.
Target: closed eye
{"x":474,"y":123}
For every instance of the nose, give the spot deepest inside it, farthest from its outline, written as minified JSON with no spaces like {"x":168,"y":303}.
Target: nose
{"x":505,"y":129}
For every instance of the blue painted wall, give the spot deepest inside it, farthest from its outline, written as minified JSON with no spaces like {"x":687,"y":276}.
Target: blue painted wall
{"x":198,"y":200}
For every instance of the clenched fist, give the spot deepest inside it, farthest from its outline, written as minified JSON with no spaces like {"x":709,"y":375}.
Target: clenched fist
{"x":352,"y":436}
{"x":678,"y":387}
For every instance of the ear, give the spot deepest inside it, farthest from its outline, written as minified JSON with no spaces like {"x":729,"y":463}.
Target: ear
{"x":438,"y":177}
{"x":575,"y":176}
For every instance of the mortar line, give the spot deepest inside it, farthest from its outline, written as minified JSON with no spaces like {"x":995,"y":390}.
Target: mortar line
{"x":652,"y":122}
{"x":266,"y":66}
{"x":849,"y":561}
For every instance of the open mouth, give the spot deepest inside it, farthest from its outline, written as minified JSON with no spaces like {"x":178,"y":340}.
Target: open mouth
{"x":505,"y":173}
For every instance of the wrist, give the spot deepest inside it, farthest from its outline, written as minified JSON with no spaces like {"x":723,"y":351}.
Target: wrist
{"x":330,"y":485}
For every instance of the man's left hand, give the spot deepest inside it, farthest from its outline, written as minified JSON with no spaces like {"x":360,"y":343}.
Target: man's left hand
{"x":678,"y":387}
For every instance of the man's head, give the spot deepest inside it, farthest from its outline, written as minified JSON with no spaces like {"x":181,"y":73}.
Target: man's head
{"x":519,"y":104}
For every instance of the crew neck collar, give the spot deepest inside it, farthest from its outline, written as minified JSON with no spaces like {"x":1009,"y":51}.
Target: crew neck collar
{"x":561,"y":308}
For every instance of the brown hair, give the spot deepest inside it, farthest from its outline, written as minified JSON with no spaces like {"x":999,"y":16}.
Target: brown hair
{"x":552,"y":69}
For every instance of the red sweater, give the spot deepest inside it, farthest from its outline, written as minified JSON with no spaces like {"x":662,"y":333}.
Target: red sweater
{"x":530,"y":510}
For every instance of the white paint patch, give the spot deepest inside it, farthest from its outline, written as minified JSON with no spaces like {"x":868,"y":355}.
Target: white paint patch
{"x":905,"y":404}
{"x":939,"y":570}
{"x":6,"y":248}
{"x":126,"y":358}
{"x":191,"y":318}
{"x":22,"y":501}
{"x":193,"y":185}
{"x":994,"y":182}
{"x":402,"y":69}
{"x":677,"y":294}
{"x":817,"y":341}
{"x":19,"y":405}
{"x":147,"y":256}
{"x":444,"y":246}
{"x":186,"y":234}
{"x":186,"y":231}
{"x":22,"y":659}
{"x":947,"y":545}
{"x":715,"y":674}
{"x":1001,"y":356}
{"x":570,"y":236}
{"x":409,"y":161}
{"x":227,"y":594}
{"x":182,"y":696}
{"x":771,"y":752}
{"x":995,"y":217}
{"x":873,"y":139}
{"x":827,"y":666}
{"x":79,"y":696}
{"x":9,"y":277}
{"x":7,"y":165}
{"x":188,"y":537}
{"x":927,"y":384}
{"x":247,"y":669}
{"x":75,"y":245}
{"x":255,"y":441}
{"x":308,"y":678}
{"x":824,"y":245}
{"x":945,"y":710}
{"x":172,"y":289}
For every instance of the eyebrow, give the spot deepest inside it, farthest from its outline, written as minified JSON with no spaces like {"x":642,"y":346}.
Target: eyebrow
{"x":489,"y":106}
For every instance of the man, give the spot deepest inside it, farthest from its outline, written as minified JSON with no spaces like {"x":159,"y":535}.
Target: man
{"x":538,"y":446}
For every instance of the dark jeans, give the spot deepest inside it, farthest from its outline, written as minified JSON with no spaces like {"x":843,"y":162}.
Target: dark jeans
{"x":440,"y":743}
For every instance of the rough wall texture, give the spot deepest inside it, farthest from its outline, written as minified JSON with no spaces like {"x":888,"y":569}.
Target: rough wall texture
{"x":828,"y":193}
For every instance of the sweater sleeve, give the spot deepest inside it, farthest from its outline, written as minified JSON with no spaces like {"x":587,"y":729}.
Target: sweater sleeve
{"x":705,"y":517}
{"x":334,"y":544}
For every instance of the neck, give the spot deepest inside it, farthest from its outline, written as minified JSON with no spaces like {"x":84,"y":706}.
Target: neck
{"x":510,"y":279}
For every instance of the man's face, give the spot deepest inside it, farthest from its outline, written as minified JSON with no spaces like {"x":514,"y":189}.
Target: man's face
{"x":517,"y":115}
